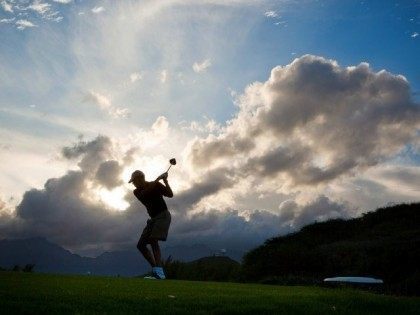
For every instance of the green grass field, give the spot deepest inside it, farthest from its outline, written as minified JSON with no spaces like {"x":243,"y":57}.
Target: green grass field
{"x":43,"y":293}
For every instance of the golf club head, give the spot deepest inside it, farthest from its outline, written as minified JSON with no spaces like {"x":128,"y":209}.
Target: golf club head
{"x":172,"y":162}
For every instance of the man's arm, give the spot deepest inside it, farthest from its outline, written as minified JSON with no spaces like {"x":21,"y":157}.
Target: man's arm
{"x":166,"y":190}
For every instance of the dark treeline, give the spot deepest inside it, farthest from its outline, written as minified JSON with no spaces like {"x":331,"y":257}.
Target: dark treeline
{"x":216,"y":268}
{"x":17,"y":268}
{"x":383,"y":244}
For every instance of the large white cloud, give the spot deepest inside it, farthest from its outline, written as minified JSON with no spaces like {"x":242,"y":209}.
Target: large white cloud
{"x":313,"y":121}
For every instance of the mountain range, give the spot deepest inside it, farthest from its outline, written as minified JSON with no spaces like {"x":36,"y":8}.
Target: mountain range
{"x":52,"y":258}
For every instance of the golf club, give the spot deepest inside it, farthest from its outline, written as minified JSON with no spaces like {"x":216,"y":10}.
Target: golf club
{"x":171,"y":162}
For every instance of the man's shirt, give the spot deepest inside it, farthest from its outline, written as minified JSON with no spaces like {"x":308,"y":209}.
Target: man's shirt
{"x":152,"y":198}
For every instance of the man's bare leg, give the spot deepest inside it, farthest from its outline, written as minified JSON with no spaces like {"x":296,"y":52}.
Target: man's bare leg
{"x":156,"y":252}
{"x":142,"y":247}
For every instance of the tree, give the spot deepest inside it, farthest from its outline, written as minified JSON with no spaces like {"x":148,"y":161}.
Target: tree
{"x":28,"y":268}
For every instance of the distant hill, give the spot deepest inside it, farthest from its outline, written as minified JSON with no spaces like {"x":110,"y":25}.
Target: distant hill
{"x":384,"y":244}
{"x":188,"y":253}
{"x":213,"y":268}
{"x":51,"y":258}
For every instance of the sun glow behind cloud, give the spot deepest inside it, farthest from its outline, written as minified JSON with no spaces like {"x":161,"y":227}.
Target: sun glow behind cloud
{"x":113,"y":198}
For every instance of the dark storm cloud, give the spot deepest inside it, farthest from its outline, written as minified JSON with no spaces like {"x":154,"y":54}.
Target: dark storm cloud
{"x":60,"y":213}
{"x":226,"y":229}
{"x":277,"y":160}
{"x":92,"y":152}
{"x":320,"y":121}
{"x":232,"y":229}
{"x":320,"y":209}
{"x":212,"y":183}
{"x":213,"y":148}
{"x":108,"y":174}
{"x":128,"y":157}
{"x":64,"y":212}
{"x":409,"y":176}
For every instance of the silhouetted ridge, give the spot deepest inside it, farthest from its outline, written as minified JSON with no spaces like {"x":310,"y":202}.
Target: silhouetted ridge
{"x":383,"y":244}
{"x":52,"y":258}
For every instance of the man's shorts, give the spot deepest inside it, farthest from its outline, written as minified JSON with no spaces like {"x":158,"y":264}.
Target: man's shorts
{"x":157,"y":227}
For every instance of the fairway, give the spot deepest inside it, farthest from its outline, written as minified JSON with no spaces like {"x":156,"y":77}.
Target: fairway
{"x":44,"y":293}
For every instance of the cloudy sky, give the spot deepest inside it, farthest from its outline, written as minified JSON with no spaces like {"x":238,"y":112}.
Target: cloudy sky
{"x":280,"y":113}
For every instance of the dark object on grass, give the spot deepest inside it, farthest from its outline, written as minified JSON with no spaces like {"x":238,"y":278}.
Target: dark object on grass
{"x":354,"y":280}
{"x":366,"y":283}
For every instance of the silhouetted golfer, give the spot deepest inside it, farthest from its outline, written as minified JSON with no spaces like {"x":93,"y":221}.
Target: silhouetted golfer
{"x":151,"y":196}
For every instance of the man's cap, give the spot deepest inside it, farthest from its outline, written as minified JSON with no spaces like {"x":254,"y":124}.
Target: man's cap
{"x":136,"y":174}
